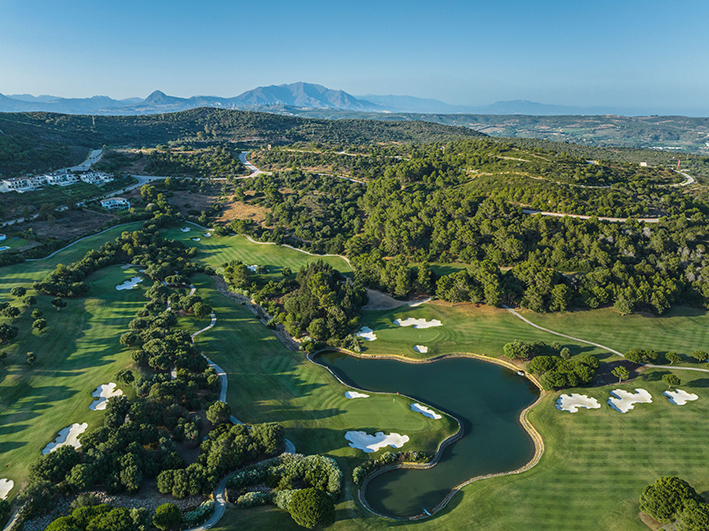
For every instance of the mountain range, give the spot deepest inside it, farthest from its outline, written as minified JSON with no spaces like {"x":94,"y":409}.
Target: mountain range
{"x":284,"y":99}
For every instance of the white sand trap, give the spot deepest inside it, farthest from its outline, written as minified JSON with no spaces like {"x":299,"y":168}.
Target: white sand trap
{"x":417,"y":323}
{"x":573,"y":402}
{"x":5,"y":487}
{"x":67,"y":437}
{"x":421,"y":348}
{"x":624,"y":401}
{"x":252,"y":268}
{"x":129,"y":284}
{"x":196,"y":239}
{"x":367,"y":334}
{"x":418,"y":408}
{"x":185,"y":229}
{"x":355,"y":394}
{"x":102,"y":394}
{"x":371,"y":443}
{"x":126,"y":266}
{"x":207,"y":235}
{"x":679,"y":397}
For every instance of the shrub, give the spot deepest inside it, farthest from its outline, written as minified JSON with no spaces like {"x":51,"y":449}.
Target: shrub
{"x":167,"y":515}
{"x":311,"y":507}
{"x":253,"y":499}
{"x":199,"y":515}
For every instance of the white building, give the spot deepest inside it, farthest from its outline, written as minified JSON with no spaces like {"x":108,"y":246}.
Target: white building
{"x":96,"y":177}
{"x":115,"y":203}
{"x":23,"y":184}
{"x":61,"y":179}
{"x":57,"y":178}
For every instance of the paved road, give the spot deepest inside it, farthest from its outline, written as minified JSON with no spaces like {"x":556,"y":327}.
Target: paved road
{"x":688,"y":179}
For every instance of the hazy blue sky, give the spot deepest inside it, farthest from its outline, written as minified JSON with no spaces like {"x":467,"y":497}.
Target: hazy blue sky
{"x":622,"y":53}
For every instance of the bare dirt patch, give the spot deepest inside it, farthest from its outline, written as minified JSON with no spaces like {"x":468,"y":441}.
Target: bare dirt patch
{"x":187,"y":200}
{"x":241,"y":210}
{"x":71,"y":224}
{"x":383,"y":301}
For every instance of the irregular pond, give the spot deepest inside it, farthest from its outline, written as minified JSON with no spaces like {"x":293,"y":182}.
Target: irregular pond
{"x":486,"y":398}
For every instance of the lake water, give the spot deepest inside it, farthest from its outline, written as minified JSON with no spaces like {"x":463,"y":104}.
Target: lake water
{"x":486,"y":398}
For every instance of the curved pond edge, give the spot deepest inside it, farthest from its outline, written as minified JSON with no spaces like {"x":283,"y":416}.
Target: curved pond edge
{"x":523,"y":420}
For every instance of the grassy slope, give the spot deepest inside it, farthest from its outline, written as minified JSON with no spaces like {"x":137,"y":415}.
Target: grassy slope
{"x":466,"y":328}
{"x":682,"y":329}
{"x":215,"y":251}
{"x":77,"y":352}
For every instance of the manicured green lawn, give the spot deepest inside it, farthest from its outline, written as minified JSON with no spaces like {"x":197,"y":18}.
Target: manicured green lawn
{"x":215,"y":251}
{"x":465,"y":328}
{"x":268,"y":382}
{"x":13,"y":243}
{"x":28,"y":272}
{"x":590,"y":477}
{"x":78,"y":351}
{"x":682,"y":329}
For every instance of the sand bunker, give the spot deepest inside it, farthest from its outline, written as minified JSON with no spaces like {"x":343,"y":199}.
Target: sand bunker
{"x":196,"y":239}
{"x":355,"y":394}
{"x":417,"y":323}
{"x":67,"y":437}
{"x":679,"y":397}
{"x":371,"y":443}
{"x":102,"y":394}
{"x":207,"y":235}
{"x":129,"y":284}
{"x":418,"y":408}
{"x":5,"y":487}
{"x":573,"y":402}
{"x":185,"y":229}
{"x":367,"y":334}
{"x":252,"y":268}
{"x":421,"y":348}
{"x":624,"y":401}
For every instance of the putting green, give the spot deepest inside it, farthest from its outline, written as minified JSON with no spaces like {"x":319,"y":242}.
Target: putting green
{"x":466,"y":328}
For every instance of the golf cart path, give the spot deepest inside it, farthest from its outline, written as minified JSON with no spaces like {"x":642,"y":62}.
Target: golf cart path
{"x":219,"y":494}
{"x":696,"y":369}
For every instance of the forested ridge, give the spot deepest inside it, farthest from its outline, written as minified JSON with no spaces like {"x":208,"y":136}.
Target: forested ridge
{"x":461,"y":203}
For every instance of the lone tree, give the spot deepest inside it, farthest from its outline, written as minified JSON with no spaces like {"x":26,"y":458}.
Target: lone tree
{"x":40,"y":324}
{"x":311,"y":508}
{"x":672,"y":357}
{"x":11,"y":312}
{"x":671,"y":380}
{"x":202,"y":310}
{"x":166,"y":516}
{"x":565,"y":353}
{"x":31,"y":358}
{"x":700,"y":355}
{"x":219,"y":413}
{"x":621,"y":373}
{"x":58,"y":303}
{"x":7,"y":332}
{"x":18,"y":291}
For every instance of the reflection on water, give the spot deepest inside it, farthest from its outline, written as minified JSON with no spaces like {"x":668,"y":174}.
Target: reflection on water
{"x":486,"y":398}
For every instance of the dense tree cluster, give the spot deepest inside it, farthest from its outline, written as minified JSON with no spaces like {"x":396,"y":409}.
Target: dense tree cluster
{"x":216,"y":161}
{"x":319,"y":301}
{"x":672,"y":499}
{"x":146,"y":247}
